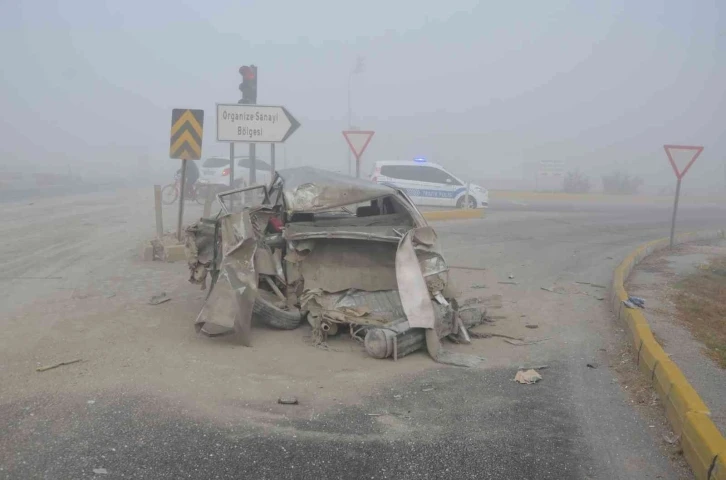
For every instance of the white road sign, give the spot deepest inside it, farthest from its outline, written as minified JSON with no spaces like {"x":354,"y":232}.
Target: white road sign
{"x":254,"y":123}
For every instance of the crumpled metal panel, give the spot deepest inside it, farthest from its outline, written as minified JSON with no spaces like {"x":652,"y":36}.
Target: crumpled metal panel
{"x":415,"y":296}
{"x":228,"y":306}
{"x":308,"y":189}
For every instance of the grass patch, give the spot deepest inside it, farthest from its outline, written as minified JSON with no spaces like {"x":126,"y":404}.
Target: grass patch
{"x":700,"y":301}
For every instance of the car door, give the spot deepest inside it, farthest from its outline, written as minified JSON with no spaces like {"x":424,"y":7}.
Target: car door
{"x":449,"y":187}
{"x":436,"y":186}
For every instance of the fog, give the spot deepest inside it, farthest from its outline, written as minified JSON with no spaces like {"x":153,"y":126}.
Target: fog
{"x":487,"y":89}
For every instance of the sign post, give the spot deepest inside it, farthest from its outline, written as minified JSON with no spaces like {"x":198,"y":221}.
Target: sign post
{"x":681,"y":158}
{"x":187,"y":127}
{"x":358,"y":141}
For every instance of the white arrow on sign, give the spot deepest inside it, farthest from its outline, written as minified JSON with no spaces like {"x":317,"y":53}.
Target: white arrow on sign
{"x":254,"y":123}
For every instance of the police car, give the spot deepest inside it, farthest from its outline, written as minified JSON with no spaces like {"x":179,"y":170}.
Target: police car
{"x":429,"y":184}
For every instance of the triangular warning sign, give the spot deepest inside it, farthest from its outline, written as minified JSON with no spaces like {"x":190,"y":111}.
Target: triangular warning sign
{"x":682,"y":157}
{"x":358,"y":140}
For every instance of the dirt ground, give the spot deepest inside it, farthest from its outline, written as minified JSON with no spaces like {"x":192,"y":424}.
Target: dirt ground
{"x":78,"y":290}
{"x":75,"y":288}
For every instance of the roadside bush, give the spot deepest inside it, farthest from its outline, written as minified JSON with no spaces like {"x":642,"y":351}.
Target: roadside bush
{"x":621,"y":183}
{"x":576,"y":182}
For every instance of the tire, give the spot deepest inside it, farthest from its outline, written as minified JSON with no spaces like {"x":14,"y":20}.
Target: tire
{"x":460,"y":202}
{"x":169,"y":194}
{"x":272,"y":316}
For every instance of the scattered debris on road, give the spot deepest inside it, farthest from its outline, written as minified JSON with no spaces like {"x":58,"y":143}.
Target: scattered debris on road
{"x":478,"y":286}
{"x":158,"y":299}
{"x":634,"y":302}
{"x":532,"y":326}
{"x":56,"y":365}
{"x":637,"y":301}
{"x":522,"y":343}
{"x":508,"y":283}
{"x":461,"y":267}
{"x":672,"y":440}
{"x":100,"y":471}
{"x":527,"y":377}
{"x":287,"y":401}
{"x":537,"y":367}
{"x":592,"y":365}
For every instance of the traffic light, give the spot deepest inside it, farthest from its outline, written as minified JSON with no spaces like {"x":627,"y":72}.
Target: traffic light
{"x":248,"y":87}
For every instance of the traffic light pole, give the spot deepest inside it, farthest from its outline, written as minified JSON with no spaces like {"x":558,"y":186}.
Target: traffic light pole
{"x":253,"y":164}
{"x":231,"y":165}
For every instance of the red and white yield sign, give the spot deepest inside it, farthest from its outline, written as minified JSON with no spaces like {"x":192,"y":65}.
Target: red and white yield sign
{"x":358,"y":140}
{"x":682,"y":157}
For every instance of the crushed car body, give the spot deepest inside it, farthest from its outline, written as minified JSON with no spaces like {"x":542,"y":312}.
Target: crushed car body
{"x":345,"y":254}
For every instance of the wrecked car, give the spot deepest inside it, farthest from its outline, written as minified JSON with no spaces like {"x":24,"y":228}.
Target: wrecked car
{"x":343,"y":254}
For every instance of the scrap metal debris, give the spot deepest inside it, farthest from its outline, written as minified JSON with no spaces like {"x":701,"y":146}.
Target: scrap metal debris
{"x":56,"y":365}
{"x":527,"y":377}
{"x":287,"y":401}
{"x":334,"y":251}
{"x":160,"y":298}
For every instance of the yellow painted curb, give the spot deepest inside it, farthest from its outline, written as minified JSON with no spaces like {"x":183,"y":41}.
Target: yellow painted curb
{"x":460,"y":214}
{"x":702,"y":443}
{"x":719,"y":467}
{"x":704,"y":447}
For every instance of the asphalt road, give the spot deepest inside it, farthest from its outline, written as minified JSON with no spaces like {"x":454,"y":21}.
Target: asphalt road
{"x":152,"y":400}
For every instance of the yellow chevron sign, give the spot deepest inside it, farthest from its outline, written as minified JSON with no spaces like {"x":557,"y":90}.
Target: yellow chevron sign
{"x":187,"y":128}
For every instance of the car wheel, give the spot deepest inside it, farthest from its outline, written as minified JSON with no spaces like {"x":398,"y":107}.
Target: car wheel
{"x":274,"y":317}
{"x":461,"y":202}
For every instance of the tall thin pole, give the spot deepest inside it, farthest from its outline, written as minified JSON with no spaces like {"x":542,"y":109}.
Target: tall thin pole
{"x":272,"y":161}
{"x":182,"y":187}
{"x":253,"y":164}
{"x":675,"y":209}
{"x":231,"y":165}
{"x":350,"y":121}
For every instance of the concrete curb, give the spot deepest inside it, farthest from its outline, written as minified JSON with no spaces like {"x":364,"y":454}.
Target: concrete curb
{"x":460,"y":214}
{"x":703,"y":445}
{"x":165,"y":253}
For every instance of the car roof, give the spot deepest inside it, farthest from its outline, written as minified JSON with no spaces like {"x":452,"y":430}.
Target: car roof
{"x":244,"y":161}
{"x":309,"y":189}
{"x":407,"y":162}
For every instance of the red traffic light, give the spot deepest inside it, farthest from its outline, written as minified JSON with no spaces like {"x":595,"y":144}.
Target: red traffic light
{"x":247,"y":72}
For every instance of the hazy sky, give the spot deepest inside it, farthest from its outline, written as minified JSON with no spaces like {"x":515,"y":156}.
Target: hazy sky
{"x":482,"y":87}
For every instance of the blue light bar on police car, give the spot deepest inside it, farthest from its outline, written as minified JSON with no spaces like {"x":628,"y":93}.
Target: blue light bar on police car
{"x":419,"y":160}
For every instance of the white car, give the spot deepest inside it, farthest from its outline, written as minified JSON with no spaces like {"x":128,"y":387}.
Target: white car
{"x":429,"y":184}
{"x":215,"y":171}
